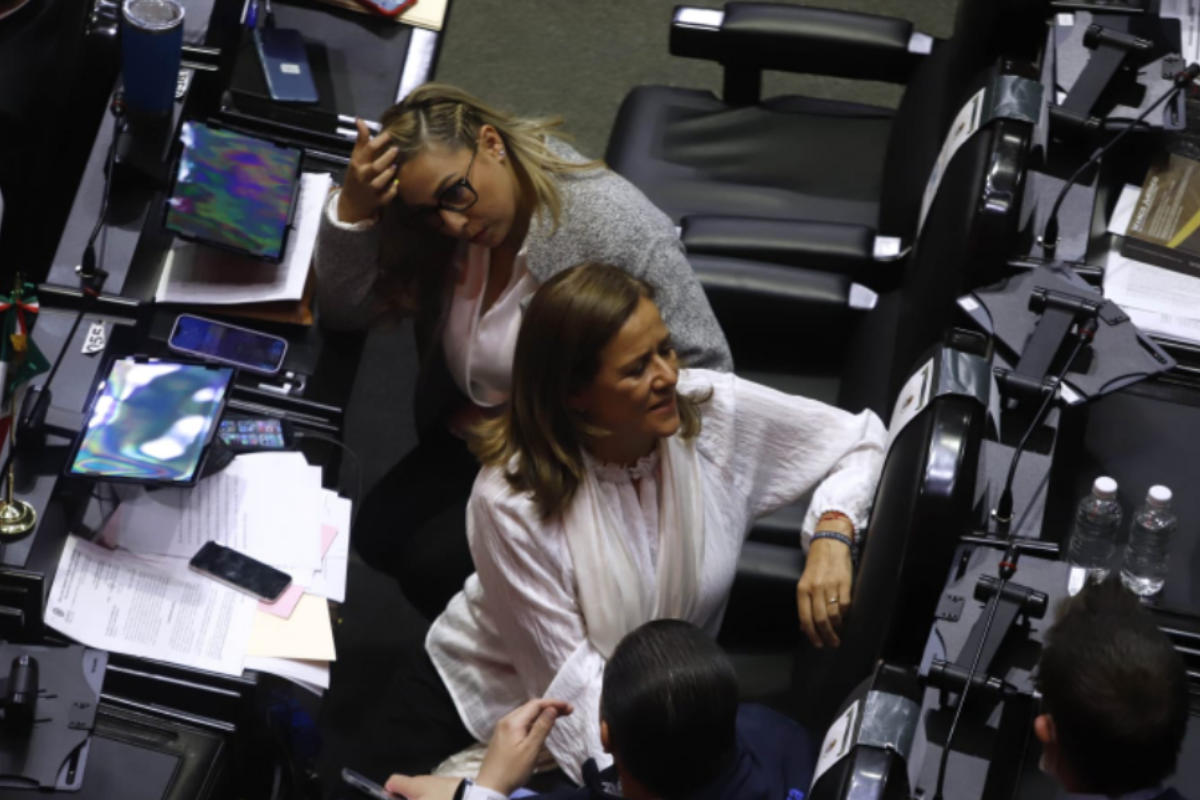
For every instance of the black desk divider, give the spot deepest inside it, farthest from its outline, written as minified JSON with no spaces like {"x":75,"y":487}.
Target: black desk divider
{"x":52,"y":752}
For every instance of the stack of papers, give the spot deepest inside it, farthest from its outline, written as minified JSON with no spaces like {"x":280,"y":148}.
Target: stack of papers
{"x":133,"y":591}
{"x":1159,"y":301}
{"x":196,"y":274}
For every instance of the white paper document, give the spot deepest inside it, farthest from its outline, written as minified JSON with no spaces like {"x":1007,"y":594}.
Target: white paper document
{"x":312,"y":675}
{"x":195,"y":273}
{"x":148,"y":607}
{"x":1189,"y":23}
{"x":330,"y":580}
{"x":266,"y":505}
{"x":1184,"y":329}
{"x":1158,"y":300}
{"x":307,"y":634}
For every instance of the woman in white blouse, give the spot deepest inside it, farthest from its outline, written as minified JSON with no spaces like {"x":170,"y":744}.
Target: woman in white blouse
{"x":454,"y":214}
{"x":617,"y":489}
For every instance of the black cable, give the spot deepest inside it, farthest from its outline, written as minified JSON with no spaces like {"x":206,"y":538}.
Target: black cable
{"x":1008,"y":563}
{"x":1050,"y":231}
{"x":962,"y":699}
{"x":88,"y":267}
{"x":89,"y":274}
{"x":1004,"y":508}
{"x":357,"y":465}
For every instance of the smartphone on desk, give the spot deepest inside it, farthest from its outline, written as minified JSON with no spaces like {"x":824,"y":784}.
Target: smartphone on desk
{"x":285,"y":65}
{"x":229,"y":344}
{"x":257,"y":435}
{"x":240,"y":571}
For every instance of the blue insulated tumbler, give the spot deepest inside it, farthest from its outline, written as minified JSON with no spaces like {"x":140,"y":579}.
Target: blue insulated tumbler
{"x":151,"y":49}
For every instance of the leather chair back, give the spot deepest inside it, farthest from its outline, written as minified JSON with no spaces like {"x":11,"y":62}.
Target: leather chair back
{"x":969,"y":233}
{"x":984,"y":31}
{"x":925,"y":493}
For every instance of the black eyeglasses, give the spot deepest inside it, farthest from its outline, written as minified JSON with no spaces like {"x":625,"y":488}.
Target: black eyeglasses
{"x":457,"y":197}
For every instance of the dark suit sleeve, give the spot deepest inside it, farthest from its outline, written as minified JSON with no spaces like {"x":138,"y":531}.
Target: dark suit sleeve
{"x":782,"y":746}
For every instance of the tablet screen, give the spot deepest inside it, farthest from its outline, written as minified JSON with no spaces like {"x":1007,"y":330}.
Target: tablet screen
{"x":151,"y":421}
{"x":233,"y":190}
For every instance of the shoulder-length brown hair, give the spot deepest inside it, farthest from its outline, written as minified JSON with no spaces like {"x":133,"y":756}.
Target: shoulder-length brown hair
{"x":570,"y":320}
{"x":413,"y":258}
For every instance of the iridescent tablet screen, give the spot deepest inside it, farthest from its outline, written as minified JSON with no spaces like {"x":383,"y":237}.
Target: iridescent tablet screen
{"x":151,"y":421}
{"x":233,"y":190}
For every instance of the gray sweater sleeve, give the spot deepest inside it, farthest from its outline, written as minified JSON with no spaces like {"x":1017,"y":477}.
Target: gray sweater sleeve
{"x":346,"y":262}
{"x":698,"y":338}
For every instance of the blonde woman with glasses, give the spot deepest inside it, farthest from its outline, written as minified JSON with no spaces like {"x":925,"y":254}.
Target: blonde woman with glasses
{"x":454,"y":214}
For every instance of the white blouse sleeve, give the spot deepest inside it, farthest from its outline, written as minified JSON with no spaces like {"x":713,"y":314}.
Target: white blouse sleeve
{"x":776,"y":447}
{"x":531,"y":598}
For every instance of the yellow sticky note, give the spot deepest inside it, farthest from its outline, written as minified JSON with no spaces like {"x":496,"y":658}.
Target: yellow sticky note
{"x":306,"y":634}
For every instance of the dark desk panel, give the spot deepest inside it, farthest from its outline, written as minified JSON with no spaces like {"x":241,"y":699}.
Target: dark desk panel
{"x":357,"y":60}
{"x":1145,"y":435}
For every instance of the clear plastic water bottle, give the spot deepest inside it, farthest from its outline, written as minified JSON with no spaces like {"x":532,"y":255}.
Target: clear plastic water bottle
{"x":1094,"y":537}
{"x":1149,"y":546}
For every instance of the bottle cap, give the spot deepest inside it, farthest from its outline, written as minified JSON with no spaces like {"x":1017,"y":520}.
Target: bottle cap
{"x":1159,"y":496}
{"x":1105,"y":488}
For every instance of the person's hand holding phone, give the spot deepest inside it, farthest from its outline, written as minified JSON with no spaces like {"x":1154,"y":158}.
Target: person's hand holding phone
{"x":370,"y":179}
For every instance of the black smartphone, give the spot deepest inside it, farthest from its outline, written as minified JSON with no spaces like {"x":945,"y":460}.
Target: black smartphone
{"x":256,"y":435}
{"x":240,"y":571}
{"x":369,"y":788}
{"x":230,"y":344}
{"x":285,"y":65}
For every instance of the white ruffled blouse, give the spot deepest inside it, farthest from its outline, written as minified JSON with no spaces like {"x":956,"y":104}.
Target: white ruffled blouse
{"x":516,"y":631}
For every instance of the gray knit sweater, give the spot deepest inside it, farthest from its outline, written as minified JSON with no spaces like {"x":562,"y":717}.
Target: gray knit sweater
{"x":605,"y":218}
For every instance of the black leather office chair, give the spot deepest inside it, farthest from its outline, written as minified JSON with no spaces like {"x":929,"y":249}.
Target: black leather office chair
{"x":970,"y":230}
{"x":925,"y":500}
{"x":807,"y":182}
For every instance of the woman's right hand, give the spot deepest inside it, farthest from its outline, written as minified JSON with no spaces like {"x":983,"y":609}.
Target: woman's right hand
{"x":370,"y":179}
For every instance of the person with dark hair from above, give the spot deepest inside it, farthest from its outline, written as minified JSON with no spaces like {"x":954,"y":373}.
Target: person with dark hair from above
{"x":1114,"y":698}
{"x":670,"y":717}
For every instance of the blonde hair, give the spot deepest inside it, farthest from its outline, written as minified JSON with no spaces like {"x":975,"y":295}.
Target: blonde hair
{"x":570,"y":320}
{"x":413,"y":259}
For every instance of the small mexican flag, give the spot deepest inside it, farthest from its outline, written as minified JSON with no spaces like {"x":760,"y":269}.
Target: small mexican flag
{"x":20,"y":358}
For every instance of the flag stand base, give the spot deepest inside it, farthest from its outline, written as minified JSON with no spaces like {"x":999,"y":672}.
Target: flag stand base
{"x":16,"y":517}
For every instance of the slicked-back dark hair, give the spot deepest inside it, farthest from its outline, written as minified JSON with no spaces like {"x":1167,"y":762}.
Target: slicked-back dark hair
{"x":670,"y":699}
{"x":1116,"y":689}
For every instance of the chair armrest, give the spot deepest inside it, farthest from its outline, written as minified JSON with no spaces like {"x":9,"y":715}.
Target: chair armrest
{"x":775,"y":315}
{"x":782,"y":528}
{"x":762,"y":609}
{"x":773,"y":288}
{"x":817,"y":41}
{"x":840,"y":248}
